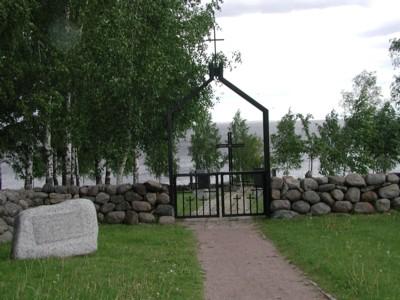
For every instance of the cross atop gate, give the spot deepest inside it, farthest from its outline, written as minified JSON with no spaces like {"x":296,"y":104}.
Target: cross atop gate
{"x":230,"y":145}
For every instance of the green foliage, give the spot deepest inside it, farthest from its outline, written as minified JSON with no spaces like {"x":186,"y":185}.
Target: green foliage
{"x":132,"y":262}
{"x":287,"y":146}
{"x":357,"y":255}
{"x":204,"y":140}
{"x":250,"y":156}
{"x":310,"y":140}
{"x":331,"y":146}
{"x":394,"y":50}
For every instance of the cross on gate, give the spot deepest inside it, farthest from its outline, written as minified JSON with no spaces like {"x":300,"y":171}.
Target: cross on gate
{"x":215,"y":40}
{"x":230,"y":145}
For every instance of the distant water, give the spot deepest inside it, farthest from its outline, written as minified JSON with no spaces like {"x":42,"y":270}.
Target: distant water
{"x":185,"y":164}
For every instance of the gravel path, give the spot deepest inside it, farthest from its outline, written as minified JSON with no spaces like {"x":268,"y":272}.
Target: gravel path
{"x":240,"y":264}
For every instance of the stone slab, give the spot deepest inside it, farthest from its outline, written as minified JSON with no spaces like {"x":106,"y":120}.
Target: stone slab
{"x":66,"y":229}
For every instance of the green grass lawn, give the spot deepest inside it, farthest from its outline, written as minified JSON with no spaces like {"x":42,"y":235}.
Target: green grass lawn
{"x":351,"y":257}
{"x":132,"y":262}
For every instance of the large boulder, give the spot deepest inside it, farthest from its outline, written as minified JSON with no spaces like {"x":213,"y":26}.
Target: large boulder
{"x":166,"y":220}
{"x":292,"y":182}
{"x":131,"y":217}
{"x":151,"y":198}
{"x":342,"y":206}
{"x":276,"y":183}
{"x":355,"y":180}
{"x":140,"y":188}
{"x":164,"y":210}
{"x":58,"y":198}
{"x":337,"y":180}
{"x":132,"y":196}
{"x":12,"y":209}
{"x":327,"y":198}
{"x":123,"y":188}
{"x":105,"y":208}
{"x":115,"y":217}
{"x":163,"y":198}
{"x":302,"y":207}
{"x":396,"y":203}
{"x":375,"y":179}
{"x":280,"y":204}
{"x":337,"y":195}
{"x":6,"y":237}
{"x":311,"y":197}
{"x":102,"y":198}
{"x":293,"y":195}
{"x":369,"y":196}
{"x":389,"y":192}
{"x":141,"y":206}
{"x":353,"y":195}
{"x":309,"y":184}
{"x":153,"y":186}
{"x":326,"y":187}
{"x":392,"y":178}
{"x":382,"y":205}
{"x":276,"y":194}
{"x":145,"y":217}
{"x":116,"y":199}
{"x":61,"y":230}
{"x":320,"y":209}
{"x":111,"y":189}
{"x":321,"y":180}
{"x":3,"y":226}
{"x":364,"y":208}
{"x":284,"y":214}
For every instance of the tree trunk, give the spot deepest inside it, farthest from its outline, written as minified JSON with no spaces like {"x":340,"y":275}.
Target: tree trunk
{"x":1,"y":175}
{"x":77,"y":174}
{"x":121,"y":168}
{"x":49,"y":156}
{"x":107,"y":179}
{"x":97,"y":171}
{"x":28,"y":185}
{"x":68,"y":146}
{"x":135,"y":175}
{"x":55,"y":180}
{"x":72,"y":166}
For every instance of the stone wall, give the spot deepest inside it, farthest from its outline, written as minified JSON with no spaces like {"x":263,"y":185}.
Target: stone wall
{"x":126,"y":203}
{"x":322,"y":195}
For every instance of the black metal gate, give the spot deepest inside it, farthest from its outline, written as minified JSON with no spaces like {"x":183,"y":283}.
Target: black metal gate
{"x":226,"y":194}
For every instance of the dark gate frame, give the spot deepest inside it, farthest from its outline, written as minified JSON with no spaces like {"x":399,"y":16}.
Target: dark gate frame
{"x":217,"y":72}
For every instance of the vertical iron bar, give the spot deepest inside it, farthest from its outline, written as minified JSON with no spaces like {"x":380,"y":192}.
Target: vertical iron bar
{"x":216,"y":193}
{"x":230,"y":196}
{"x":172,"y":191}
{"x":183,"y":203}
{"x":256,"y":200}
{"x":267,"y":168}
{"x":222,"y":197}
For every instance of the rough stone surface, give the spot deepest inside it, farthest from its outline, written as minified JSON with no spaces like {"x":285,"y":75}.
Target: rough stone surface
{"x":353,"y":195}
{"x":3,"y":226}
{"x":84,"y":191}
{"x":369,"y":196}
{"x":117,"y":199}
{"x":343,"y":188}
{"x":123,"y":206}
{"x":396,"y":203}
{"x":342,"y":206}
{"x":309,"y":184}
{"x":327,"y":198}
{"x":163,"y":198}
{"x":146,"y":218}
{"x":389,"y":192}
{"x":280,"y":204}
{"x":291,"y":182}
{"x":100,"y":217}
{"x":133,"y":196}
{"x":165,"y":220}
{"x":102,"y":198}
{"x":153,"y":186}
{"x":12,"y":209}
{"x":140,"y":189}
{"x":93,"y":190}
{"x":311,"y":197}
{"x":141,"y":206}
{"x":164,"y":210}
{"x":276,"y":194}
{"x":293,"y":195}
{"x":24,"y":203}
{"x":301,"y":207}
{"x":375,"y":179}
{"x":382,"y":205}
{"x":111,"y":189}
{"x":123,"y":188}
{"x":326,"y":187}
{"x":339,"y":180}
{"x":58,"y":198}
{"x":151,"y":198}
{"x":48,"y":188}
{"x":392,"y":178}
{"x":276,"y":183}
{"x":115,"y":217}
{"x":364,"y":208}
{"x":6,"y":237}
{"x":65,"y":229}
{"x":2,"y":211}
{"x":355,"y":180}
{"x":321,"y":180}
{"x":284,"y":214}
{"x":320,"y":209}
{"x":109,"y":206}
{"x":337,"y":195}
{"x":131,"y":217}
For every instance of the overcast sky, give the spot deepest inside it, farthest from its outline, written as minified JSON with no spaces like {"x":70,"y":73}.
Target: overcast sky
{"x":303,"y":53}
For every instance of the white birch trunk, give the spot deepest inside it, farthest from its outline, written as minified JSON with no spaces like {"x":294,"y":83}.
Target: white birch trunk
{"x":55,"y":179}
{"x":121,"y":168}
{"x":68,"y":147}
{"x":77,"y":174}
{"x":49,"y":156}
{"x":107,"y":179}
{"x":29,"y":172}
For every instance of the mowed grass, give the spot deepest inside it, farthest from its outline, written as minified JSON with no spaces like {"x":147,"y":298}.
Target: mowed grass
{"x":132,"y":262}
{"x":351,"y":257}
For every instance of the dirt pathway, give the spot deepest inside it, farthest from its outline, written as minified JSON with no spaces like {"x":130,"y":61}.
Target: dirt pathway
{"x":240,"y":264}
